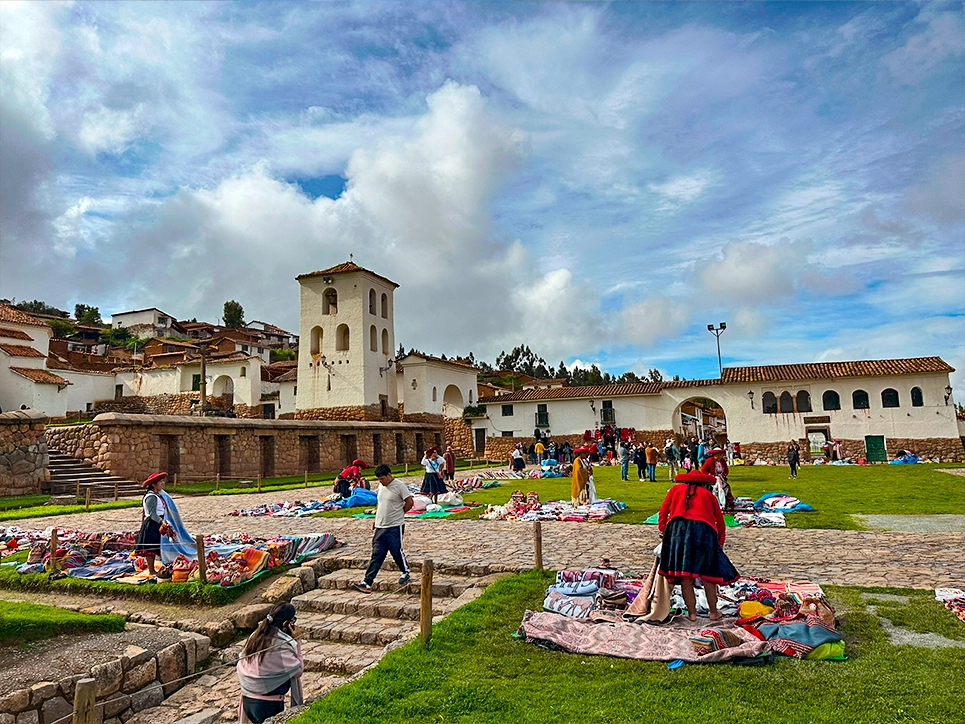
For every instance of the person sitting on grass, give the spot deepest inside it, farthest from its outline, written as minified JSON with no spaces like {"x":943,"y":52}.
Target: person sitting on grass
{"x":270,"y":666}
{"x":394,"y":499}
{"x":148,"y":542}
{"x":349,"y":478}
{"x":693,"y":535}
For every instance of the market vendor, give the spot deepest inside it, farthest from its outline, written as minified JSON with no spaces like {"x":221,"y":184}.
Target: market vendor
{"x":716,"y":465}
{"x":350,"y":477}
{"x":149,"y":538}
{"x":581,"y":476}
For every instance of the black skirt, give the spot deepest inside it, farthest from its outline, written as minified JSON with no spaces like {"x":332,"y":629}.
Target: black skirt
{"x":148,"y":539}
{"x":518,"y":463}
{"x":432,"y":484}
{"x":691,"y":549}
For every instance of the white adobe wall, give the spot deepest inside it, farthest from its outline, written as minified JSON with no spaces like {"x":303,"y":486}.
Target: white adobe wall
{"x":247,"y":389}
{"x":39,"y":337}
{"x":14,"y":389}
{"x":146,"y":383}
{"x":49,"y":399}
{"x":147,"y":317}
{"x":286,"y":396}
{"x":86,"y":387}
{"x":430,"y":377}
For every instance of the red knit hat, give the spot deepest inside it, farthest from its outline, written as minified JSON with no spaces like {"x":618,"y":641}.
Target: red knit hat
{"x":155,"y":478}
{"x":696,"y":477}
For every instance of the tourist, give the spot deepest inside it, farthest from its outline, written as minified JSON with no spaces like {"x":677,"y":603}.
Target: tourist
{"x":640,"y":460}
{"x":581,"y":476}
{"x":652,"y":457}
{"x":433,"y":483}
{"x":838,"y":450}
{"x":624,"y":456}
{"x":729,"y":447}
{"x":394,"y":499}
{"x":271,"y":666}
{"x":693,"y":535}
{"x":716,"y":465}
{"x":516,"y":461}
{"x":793,"y":458}
{"x":702,"y":453}
{"x":692,"y":449}
{"x":349,"y":478}
{"x":531,"y":452}
{"x":539,"y":449}
{"x":552,"y":452}
{"x":565,"y":453}
{"x":672,"y":454}
{"x":450,"y":458}
{"x":149,"y":538}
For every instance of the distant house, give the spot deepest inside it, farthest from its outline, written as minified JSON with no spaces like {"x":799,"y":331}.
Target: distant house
{"x":167,"y":351}
{"x":151,"y":322}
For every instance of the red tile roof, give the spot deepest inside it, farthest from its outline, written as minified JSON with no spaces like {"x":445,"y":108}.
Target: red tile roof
{"x":15,"y":334}
{"x":40,"y":376}
{"x":21,"y":350}
{"x":557,"y":393}
{"x":429,"y":358}
{"x":344,"y":268}
{"x":290,"y":376}
{"x":12,"y":315}
{"x":836,"y":370}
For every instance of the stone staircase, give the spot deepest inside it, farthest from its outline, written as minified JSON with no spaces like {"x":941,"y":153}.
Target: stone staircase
{"x":345,"y":631}
{"x":67,"y":472}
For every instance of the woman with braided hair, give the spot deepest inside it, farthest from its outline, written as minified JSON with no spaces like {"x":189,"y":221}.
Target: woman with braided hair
{"x":693,"y":535}
{"x":270,"y":666}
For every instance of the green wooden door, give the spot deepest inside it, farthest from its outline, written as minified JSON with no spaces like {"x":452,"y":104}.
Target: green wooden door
{"x":874,"y":446}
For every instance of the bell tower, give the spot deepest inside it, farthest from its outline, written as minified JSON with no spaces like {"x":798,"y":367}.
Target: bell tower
{"x":346,"y":345}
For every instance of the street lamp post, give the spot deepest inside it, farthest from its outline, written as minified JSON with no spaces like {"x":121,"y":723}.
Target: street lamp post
{"x":717,"y":331}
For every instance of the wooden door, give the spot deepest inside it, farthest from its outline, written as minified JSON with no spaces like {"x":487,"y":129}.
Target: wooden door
{"x":874,"y":446}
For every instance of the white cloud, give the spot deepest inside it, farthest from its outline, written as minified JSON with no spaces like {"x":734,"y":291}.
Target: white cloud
{"x":649,"y":320}
{"x":938,"y":38}
{"x":681,"y":190}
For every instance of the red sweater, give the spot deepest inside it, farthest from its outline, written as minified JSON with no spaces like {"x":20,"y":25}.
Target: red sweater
{"x":703,"y":507}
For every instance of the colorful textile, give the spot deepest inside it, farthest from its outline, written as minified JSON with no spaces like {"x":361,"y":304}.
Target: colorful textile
{"x":781,"y":502}
{"x":759,"y":520}
{"x":953,"y":599}
{"x":562,"y":510}
{"x":714,"y":639}
{"x":797,"y":637}
{"x":572,"y":606}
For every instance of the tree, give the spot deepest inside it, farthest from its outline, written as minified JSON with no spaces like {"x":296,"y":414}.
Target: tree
{"x":281,"y":355}
{"x":401,"y":353}
{"x":115,"y":337}
{"x":233,"y":314}
{"x":63,"y":328}
{"x":85,"y":314}
{"x":135,"y":343}
{"x":38,"y":307}
{"x":655,"y":375}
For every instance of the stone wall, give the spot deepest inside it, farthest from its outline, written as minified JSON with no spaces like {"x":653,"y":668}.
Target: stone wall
{"x":945,"y":449}
{"x":498,"y":448}
{"x":23,"y":452}
{"x":138,"y":679}
{"x":134,"y":446}
{"x":459,"y":435}
{"x":177,"y":404}
{"x":372,"y":413}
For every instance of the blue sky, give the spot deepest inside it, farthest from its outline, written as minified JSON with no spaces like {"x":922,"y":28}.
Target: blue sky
{"x":598,"y":181}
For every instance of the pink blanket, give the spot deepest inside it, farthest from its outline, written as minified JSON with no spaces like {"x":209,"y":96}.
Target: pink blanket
{"x":636,"y":641}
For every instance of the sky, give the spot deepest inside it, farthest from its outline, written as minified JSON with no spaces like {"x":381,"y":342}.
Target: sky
{"x":597,"y":181}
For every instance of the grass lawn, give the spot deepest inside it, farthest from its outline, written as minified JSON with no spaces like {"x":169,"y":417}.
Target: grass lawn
{"x":23,"y":501}
{"x":20,"y":622}
{"x":835,"y":492}
{"x":473,"y":671}
{"x":42,"y":511}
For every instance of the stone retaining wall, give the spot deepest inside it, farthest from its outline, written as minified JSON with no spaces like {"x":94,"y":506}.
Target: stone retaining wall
{"x":134,"y":446}
{"x":371,"y":413}
{"x":176,"y":404}
{"x":498,"y":448}
{"x":138,"y":679}
{"x":945,"y":449}
{"x":23,"y":452}
{"x":459,"y":435}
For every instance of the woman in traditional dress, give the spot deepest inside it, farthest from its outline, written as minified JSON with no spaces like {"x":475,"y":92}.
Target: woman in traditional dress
{"x":433,"y":484}
{"x":693,"y":535}
{"x":716,"y":465}
{"x":149,"y":537}
{"x":450,"y":458}
{"x":349,"y":478}
{"x":516,"y":461}
{"x":270,"y":666}
{"x":581,"y":476}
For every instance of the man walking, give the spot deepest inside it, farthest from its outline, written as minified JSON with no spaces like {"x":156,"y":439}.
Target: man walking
{"x":624,"y":456}
{"x":672,"y":454}
{"x":394,"y":499}
{"x":652,"y":457}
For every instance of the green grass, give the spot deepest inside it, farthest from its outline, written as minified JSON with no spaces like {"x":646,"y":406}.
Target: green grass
{"x":21,"y":622}
{"x":22,"y":501}
{"x":922,"y":613}
{"x":474,"y":671}
{"x":835,"y":492}
{"x":42,"y":511}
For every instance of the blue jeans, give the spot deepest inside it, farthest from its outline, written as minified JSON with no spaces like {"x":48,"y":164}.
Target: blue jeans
{"x":386,"y":541}
{"x":652,"y":472}
{"x":624,"y":470}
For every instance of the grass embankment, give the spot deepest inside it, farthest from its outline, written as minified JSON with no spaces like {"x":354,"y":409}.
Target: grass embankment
{"x":473,"y":671}
{"x":42,"y":511}
{"x":835,"y":492}
{"x":21,"y":622}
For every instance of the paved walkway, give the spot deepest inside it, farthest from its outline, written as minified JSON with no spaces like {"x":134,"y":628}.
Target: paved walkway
{"x":860,"y":558}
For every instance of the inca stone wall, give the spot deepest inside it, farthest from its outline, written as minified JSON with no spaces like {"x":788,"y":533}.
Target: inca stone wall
{"x":23,"y":452}
{"x":179,"y":404}
{"x":459,"y":435}
{"x":372,"y":413}
{"x":134,"y":446}
{"x":498,"y":448}
{"x":944,"y":449}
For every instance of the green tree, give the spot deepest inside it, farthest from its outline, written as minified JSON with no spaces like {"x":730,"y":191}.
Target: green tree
{"x":281,"y":355}
{"x":85,"y":314}
{"x":63,"y":328}
{"x":134,"y":342}
{"x":38,"y":307}
{"x":655,"y":375}
{"x":233,"y":314}
{"x":115,"y":337}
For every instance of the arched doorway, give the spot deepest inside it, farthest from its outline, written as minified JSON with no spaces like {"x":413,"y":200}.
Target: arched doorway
{"x":700,"y":417}
{"x":224,"y":386}
{"x":452,"y":402}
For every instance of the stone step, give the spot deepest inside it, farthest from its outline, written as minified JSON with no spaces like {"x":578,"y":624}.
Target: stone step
{"x":356,"y":603}
{"x":443,"y":586}
{"x":353,"y":629}
{"x":338,"y":658}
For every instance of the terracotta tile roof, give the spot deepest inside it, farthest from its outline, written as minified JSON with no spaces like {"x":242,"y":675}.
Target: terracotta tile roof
{"x":290,"y":376}
{"x":344,"y":268}
{"x":58,"y":363}
{"x":40,"y":376}
{"x":557,"y":393}
{"x":429,"y":358}
{"x":21,"y":350}
{"x":173,"y":343}
{"x":672,"y":384}
{"x":12,"y":315}
{"x":836,"y":370}
{"x":15,"y":334}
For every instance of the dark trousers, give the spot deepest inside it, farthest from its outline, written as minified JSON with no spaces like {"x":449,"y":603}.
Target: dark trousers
{"x":386,"y":541}
{"x":652,"y":472}
{"x":793,"y":469}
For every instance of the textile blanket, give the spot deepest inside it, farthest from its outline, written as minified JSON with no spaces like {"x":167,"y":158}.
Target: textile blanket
{"x":634,"y":641}
{"x":953,"y":599}
{"x":729,"y":521}
{"x":781,"y":502}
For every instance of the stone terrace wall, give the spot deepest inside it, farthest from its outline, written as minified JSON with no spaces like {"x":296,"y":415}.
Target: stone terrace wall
{"x":371,"y":413}
{"x":134,"y":446}
{"x":23,"y":452}
{"x":177,"y":404}
{"x":459,"y":435}
{"x":947,"y":449}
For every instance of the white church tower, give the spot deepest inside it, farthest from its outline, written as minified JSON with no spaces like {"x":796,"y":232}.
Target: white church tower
{"x":346,"y":345}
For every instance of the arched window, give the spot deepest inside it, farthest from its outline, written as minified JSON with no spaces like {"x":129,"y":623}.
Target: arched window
{"x":769,"y":403}
{"x":385,"y":342}
{"x":342,"y":338}
{"x":803,"y":401}
{"x":385,"y":306}
{"x":373,"y":339}
{"x":371,"y":301}
{"x":787,"y":402}
{"x":316,"y":340}
{"x":916,"y":397}
{"x":831,"y":400}
{"x":889,"y":398}
{"x":859,"y":400}
{"x":244,"y":371}
{"x":433,"y":394}
{"x":330,"y":302}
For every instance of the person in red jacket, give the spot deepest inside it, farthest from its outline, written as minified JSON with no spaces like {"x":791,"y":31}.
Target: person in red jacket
{"x":716,"y":465}
{"x":693,"y":535}
{"x":349,"y":478}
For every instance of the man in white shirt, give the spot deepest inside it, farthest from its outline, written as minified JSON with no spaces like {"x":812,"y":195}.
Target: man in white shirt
{"x":394,"y":499}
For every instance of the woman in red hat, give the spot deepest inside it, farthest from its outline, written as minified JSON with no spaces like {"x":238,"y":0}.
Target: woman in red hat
{"x":434,"y":484}
{"x":149,"y":538}
{"x":693,"y":535}
{"x":350,"y":477}
{"x":716,"y":465}
{"x":581,"y":476}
